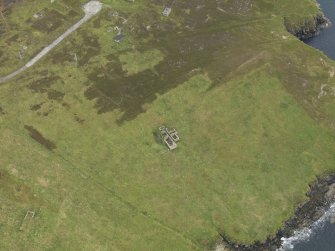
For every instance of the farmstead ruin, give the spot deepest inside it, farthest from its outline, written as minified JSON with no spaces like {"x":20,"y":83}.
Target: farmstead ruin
{"x":169,"y":137}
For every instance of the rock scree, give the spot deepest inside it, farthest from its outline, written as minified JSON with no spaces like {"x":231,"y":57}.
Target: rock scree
{"x":310,"y":28}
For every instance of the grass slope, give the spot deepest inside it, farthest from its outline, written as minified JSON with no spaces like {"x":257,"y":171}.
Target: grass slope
{"x":242,"y":92}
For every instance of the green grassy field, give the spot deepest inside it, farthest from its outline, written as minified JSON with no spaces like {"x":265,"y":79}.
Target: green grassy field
{"x":79,"y":143}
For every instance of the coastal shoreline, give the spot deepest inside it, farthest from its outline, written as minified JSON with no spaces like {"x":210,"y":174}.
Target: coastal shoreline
{"x":321,"y":195}
{"x":309,"y":28}
{"x":320,"y":198}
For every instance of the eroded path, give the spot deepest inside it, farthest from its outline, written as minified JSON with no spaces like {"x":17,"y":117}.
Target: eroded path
{"x":90,"y":9}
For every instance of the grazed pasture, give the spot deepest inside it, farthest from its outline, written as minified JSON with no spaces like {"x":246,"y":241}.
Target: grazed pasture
{"x":78,"y":129}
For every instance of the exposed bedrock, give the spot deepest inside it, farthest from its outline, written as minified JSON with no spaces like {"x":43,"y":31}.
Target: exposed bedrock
{"x":308,"y":27}
{"x":320,"y":197}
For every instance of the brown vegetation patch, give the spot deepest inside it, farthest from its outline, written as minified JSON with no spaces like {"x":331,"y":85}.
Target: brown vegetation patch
{"x":3,"y":58}
{"x":73,"y":14}
{"x":66,"y":105}
{"x":56,"y":95}
{"x":36,"y":107}
{"x":36,"y":135}
{"x":191,"y":45}
{"x":3,"y":174}
{"x":78,"y":119}
{"x":12,"y":39}
{"x":84,"y":51}
{"x":49,"y":22}
{"x":114,"y":89}
{"x":8,"y":3}
{"x":43,"y":85}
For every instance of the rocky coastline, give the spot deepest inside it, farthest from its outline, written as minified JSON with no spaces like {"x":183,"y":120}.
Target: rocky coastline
{"x":322,"y":192}
{"x":310,"y":27}
{"x":320,"y":197}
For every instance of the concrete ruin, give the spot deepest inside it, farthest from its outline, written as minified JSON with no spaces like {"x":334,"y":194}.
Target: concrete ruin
{"x":169,"y":137}
{"x":167,"y":11}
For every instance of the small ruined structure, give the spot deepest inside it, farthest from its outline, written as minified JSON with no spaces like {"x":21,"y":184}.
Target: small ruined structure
{"x":38,"y":15}
{"x":27,"y":218}
{"x":169,"y":137}
{"x":167,"y":11}
{"x":118,"y":38}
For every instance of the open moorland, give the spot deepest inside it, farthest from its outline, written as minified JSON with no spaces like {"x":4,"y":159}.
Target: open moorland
{"x":253,"y":105}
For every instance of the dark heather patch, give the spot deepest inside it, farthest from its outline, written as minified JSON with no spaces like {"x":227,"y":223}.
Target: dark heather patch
{"x":78,"y":119}
{"x":86,"y":55}
{"x":55,"y":95}
{"x":66,"y":105}
{"x":9,"y":3}
{"x":36,"y":107}
{"x":43,"y":84}
{"x":6,"y":11}
{"x":62,"y":55}
{"x":2,"y":112}
{"x":89,"y":48}
{"x":105,"y":14}
{"x":97,"y":23}
{"x":49,"y":22}
{"x":12,"y":39}
{"x":114,"y":89}
{"x":4,"y":60}
{"x":75,"y":4}
{"x":3,"y":174}
{"x":37,"y":136}
{"x":84,"y":51}
{"x":190,"y":46}
{"x":73,"y":13}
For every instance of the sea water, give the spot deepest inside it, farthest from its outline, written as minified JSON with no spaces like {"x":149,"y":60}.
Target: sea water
{"x":318,"y":237}
{"x":321,"y":235}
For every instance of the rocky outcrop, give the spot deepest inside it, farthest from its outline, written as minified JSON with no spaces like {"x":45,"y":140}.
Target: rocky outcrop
{"x":321,"y":197}
{"x":307,"y":28}
{"x":330,"y":195}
